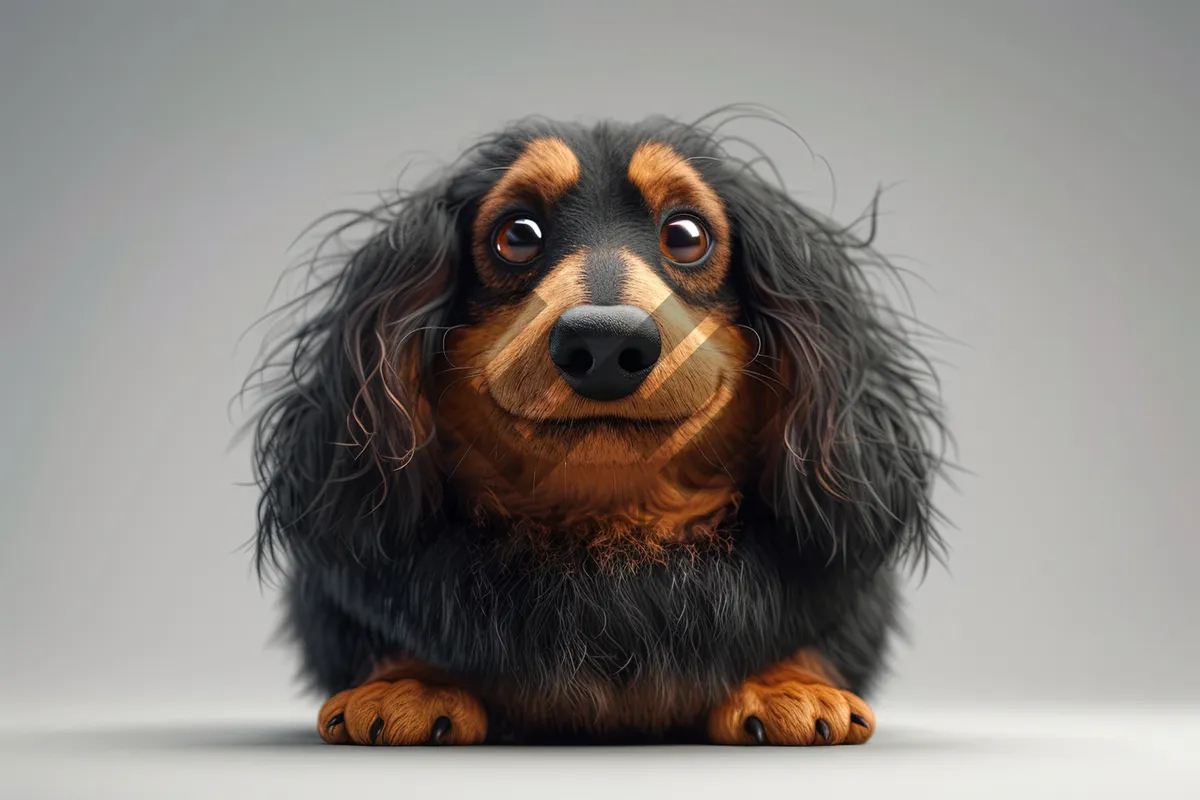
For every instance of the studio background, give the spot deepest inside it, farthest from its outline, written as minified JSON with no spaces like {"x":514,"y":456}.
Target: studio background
{"x":158,"y":159}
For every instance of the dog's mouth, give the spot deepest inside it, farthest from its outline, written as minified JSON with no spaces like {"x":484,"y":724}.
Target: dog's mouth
{"x":612,"y":438}
{"x":622,"y":421}
{"x":567,"y":427}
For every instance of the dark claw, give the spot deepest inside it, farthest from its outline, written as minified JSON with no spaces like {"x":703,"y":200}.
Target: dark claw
{"x":754,"y":727}
{"x":441,"y":726}
{"x":857,"y":720}
{"x":823,"y":729}
{"x":334,"y":721}
{"x":376,"y":729}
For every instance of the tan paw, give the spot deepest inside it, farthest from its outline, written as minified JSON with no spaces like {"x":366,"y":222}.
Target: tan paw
{"x":403,"y":712}
{"x":791,"y":713}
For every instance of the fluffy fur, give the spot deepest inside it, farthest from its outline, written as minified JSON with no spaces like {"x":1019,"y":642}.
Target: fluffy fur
{"x":384,"y":552}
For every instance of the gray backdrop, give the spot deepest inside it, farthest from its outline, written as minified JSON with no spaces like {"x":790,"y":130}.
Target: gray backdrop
{"x":158,"y":159}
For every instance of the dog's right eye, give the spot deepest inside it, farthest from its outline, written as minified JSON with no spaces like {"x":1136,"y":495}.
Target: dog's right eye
{"x":518,"y":240}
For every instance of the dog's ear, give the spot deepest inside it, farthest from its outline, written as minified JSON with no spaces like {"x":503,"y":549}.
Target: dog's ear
{"x":856,"y":442}
{"x":348,"y":424}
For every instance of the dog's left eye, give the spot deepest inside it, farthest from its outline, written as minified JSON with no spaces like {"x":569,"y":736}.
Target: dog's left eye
{"x":519,"y":240}
{"x":684,"y":239}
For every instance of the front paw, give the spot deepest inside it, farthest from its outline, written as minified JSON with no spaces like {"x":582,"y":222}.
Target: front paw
{"x":403,"y":712}
{"x":791,"y":713}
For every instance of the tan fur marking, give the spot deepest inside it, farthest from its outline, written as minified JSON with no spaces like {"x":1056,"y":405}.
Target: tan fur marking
{"x":547,"y":168}
{"x":511,"y":347}
{"x":665,"y":178}
{"x":406,"y":697}
{"x":544,"y":171}
{"x":694,"y":373}
{"x":789,"y":699}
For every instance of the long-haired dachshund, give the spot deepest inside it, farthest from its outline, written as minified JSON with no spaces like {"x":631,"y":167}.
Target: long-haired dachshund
{"x":599,"y":436}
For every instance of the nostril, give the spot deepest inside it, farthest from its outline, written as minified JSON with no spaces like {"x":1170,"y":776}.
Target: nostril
{"x":633,"y":359}
{"x":578,"y":361}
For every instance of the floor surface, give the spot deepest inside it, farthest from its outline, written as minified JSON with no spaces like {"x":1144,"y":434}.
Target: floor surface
{"x":987,"y":754}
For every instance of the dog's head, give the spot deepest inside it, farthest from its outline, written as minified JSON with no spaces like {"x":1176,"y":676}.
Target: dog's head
{"x":612,"y":334}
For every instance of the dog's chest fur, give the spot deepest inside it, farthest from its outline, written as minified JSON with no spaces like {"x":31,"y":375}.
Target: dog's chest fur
{"x":581,"y":647}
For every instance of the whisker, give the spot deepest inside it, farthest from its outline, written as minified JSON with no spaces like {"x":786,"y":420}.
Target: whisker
{"x":756,"y":377}
{"x":454,"y":383}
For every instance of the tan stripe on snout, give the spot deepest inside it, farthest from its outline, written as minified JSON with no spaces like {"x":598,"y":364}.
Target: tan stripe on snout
{"x":684,"y":329}
{"x":512,"y":363}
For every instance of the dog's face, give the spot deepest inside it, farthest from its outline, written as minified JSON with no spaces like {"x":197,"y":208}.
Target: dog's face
{"x":618,"y":329}
{"x":598,"y":342}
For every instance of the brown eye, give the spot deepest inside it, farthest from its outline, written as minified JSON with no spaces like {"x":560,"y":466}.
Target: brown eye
{"x":684,"y":239}
{"x":519,"y":240}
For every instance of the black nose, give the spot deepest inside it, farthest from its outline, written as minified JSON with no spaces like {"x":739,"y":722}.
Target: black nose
{"x":605,"y":352}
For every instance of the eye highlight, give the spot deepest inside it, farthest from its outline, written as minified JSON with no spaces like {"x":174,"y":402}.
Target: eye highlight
{"x":684,"y":239}
{"x":518,"y":240}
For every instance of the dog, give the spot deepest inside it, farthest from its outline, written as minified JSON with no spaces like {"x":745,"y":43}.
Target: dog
{"x":598,"y":435}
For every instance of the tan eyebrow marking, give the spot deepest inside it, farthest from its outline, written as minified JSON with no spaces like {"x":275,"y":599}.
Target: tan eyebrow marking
{"x":547,"y":168}
{"x":665,"y":178}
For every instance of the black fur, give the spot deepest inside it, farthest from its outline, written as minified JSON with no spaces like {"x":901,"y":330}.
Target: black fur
{"x":376,"y":561}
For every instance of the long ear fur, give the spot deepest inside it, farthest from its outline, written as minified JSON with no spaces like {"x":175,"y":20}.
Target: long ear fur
{"x":347,"y":424}
{"x":860,"y":438}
